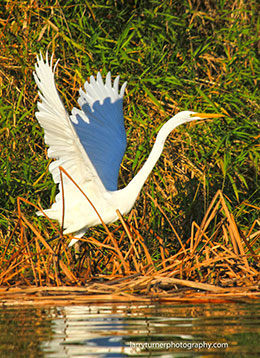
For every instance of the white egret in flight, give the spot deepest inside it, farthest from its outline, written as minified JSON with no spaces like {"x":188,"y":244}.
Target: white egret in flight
{"x":89,"y":144}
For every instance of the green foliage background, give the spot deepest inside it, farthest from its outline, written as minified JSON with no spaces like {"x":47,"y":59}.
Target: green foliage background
{"x":175,"y":55}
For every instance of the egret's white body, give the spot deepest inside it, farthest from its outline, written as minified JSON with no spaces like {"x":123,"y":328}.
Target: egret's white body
{"x":89,"y":144}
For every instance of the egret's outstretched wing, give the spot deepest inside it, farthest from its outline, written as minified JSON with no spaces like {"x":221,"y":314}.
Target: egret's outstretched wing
{"x":60,"y":135}
{"x":91,"y":145}
{"x":100,"y":126}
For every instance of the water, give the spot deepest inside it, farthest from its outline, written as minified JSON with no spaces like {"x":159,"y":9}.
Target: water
{"x":131,"y":331}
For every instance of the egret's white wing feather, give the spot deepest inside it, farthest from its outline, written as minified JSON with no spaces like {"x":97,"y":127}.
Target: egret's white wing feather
{"x":90,"y":143}
{"x":100,"y":127}
{"x":60,"y":135}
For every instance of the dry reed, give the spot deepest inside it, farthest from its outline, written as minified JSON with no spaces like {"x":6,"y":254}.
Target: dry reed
{"x":212,"y":265}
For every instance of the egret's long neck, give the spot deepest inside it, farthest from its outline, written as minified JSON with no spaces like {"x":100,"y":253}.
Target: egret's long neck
{"x":136,"y":184}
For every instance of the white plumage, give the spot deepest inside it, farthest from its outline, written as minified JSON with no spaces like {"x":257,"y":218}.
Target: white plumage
{"x":89,"y":144}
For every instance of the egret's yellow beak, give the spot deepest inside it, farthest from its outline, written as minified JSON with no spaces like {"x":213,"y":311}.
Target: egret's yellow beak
{"x":207,"y":115}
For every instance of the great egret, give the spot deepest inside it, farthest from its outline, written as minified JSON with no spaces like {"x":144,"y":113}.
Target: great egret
{"x":89,"y":144}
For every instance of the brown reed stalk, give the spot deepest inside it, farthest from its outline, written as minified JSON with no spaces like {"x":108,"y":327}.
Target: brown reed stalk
{"x":206,"y":262}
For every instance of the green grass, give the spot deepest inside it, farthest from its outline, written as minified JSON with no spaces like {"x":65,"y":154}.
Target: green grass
{"x":175,"y":56}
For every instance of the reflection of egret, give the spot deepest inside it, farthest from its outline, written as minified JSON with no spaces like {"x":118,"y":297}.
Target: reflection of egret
{"x":89,"y":331}
{"x":90,"y":145}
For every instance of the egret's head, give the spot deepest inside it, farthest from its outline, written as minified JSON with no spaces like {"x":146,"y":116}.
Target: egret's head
{"x":182,"y":118}
{"x":189,"y":116}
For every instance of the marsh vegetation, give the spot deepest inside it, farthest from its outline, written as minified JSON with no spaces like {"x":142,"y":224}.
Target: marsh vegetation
{"x":197,"y":218}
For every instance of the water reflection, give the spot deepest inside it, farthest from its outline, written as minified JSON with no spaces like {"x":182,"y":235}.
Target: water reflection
{"x":129,"y":330}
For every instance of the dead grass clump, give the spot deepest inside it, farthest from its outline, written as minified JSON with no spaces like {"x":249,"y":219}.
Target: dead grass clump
{"x":217,"y":262}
